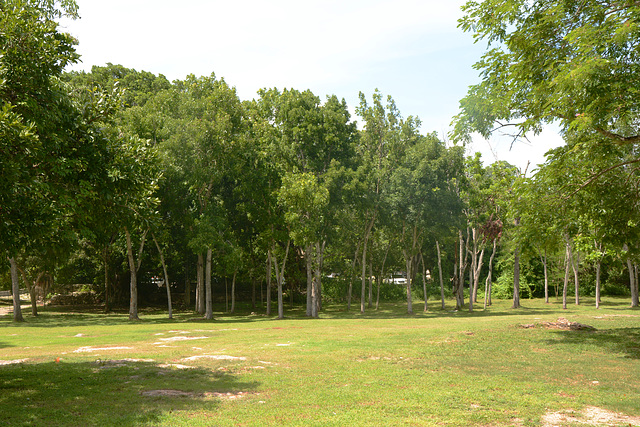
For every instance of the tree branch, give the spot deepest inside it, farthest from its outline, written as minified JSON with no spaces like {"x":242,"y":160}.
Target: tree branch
{"x":598,"y":175}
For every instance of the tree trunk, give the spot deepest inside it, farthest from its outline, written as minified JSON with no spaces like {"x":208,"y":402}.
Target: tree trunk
{"x":567,"y":257}
{"x":575,"y":263}
{"x":233,"y":292}
{"x":476,"y":275}
{"x":424,"y":281}
{"x":318,"y":281}
{"x":31,"y":288}
{"x":200,"y":291}
{"x":635,"y":291}
{"x":268,"y":296}
{"x":308,"y":261}
{"x":133,"y":284}
{"x":632,"y":284}
{"x":280,"y":279}
{"x":254,"y":287}
{"x":166,"y":275}
{"x":370,"y":302}
{"x":598,"y":264}
{"x":187,"y":286}
{"x":487,"y":283}
{"x":516,"y":278}
{"x":380,"y":279}
{"x":409,"y":273}
{"x":209,"y":300}
{"x":107,"y":296}
{"x":440,"y":273}
{"x":351,"y":278}
{"x":364,"y":262}
{"x":461,"y":269}
{"x":15,"y":290}
{"x":546,"y":277}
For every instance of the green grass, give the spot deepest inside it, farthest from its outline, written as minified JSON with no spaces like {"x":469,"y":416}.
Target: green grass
{"x":381,"y":368}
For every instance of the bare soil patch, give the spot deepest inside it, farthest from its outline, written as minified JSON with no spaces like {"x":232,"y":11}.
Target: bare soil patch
{"x":90,"y":349}
{"x":12,"y":362}
{"x":562,"y":324}
{"x":591,"y":415}
{"x":208,"y":394}
{"x":213,"y":357}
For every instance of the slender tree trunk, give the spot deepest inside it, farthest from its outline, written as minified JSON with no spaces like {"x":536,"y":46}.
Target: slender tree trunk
{"x":462,"y":268}
{"x":351,"y":278}
{"x":133,"y":284}
{"x":233,"y":292}
{"x":455,"y":280}
{"x":546,"y":277}
{"x":253,"y":293}
{"x":598,"y":264}
{"x":364,"y":262}
{"x":280,"y":279}
{"x":268,"y":296}
{"x":516,"y":279}
{"x":635,"y":291}
{"x":318,"y":276}
{"x":187,"y":286}
{"x":409,"y":274}
{"x":200,"y":291}
{"x":575,"y":262}
{"x":440,"y":273}
{"x":31,"y":288}
{"x":566,"y":274}
{"x":107,"y":295}
{"x":15,"y":290}
{"x":424,"y":280}
{"x":370,"y":302}
{"x":476,"y":275}
{"x":166,"y":275}
{"x":632,"y":283}
{"x":308,"y":260}
{"x":226,"y":294}
{"x":380,"y":279}
{"x":209,"y":297}
{"x":487,"y":283}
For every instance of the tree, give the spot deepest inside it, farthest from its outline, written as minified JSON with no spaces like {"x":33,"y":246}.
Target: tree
{"x":567,"y":61}
{"x":52,"y":147}
{"x":424,"y":193}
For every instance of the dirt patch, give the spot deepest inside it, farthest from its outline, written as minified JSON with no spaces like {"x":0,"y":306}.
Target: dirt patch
{"x":12,"y":362}
{"x":562,"y":324}
{"x":90,"y":349}
{"x":590,"y":415}
{"x":208,"y":394}
{"x":214,"y":357}
{"x":175,"y":365}
{"x":181,"y":338}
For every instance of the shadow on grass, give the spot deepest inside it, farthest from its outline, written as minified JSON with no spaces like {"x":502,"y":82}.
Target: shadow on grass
{"x":65,"y":316}
{"x":619,"y":340}
{"x":65,"y":394}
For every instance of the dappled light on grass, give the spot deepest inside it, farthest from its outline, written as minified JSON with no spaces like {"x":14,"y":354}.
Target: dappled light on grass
{"x":384,"y":367}
{"x":90,"y":393}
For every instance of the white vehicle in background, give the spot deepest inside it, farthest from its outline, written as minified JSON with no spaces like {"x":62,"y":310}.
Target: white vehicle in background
{"x":398,"y":278}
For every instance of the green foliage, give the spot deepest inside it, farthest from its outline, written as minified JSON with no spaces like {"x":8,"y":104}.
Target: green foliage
{"x":562,"y":60}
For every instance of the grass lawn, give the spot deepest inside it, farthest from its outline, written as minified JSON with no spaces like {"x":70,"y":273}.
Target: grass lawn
{"x":83,"y":368}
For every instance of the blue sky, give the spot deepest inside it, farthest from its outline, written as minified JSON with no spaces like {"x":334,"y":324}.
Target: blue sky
{"x":409,"y":49}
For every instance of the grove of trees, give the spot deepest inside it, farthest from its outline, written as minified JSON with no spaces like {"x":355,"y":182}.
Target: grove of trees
{"x":156,"y":192}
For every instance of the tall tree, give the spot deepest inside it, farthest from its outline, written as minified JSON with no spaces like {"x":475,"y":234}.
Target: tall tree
{"x":565,"y":61}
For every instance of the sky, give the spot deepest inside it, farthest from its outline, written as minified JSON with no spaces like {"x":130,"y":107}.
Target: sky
{"x":411,"y":50}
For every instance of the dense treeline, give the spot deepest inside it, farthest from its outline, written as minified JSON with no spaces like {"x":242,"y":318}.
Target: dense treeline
{"x":179,"y":192}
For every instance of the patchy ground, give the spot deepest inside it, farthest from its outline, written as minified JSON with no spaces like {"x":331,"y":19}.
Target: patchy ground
{"x":561,"y":323}
{"x":591,"y":415}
